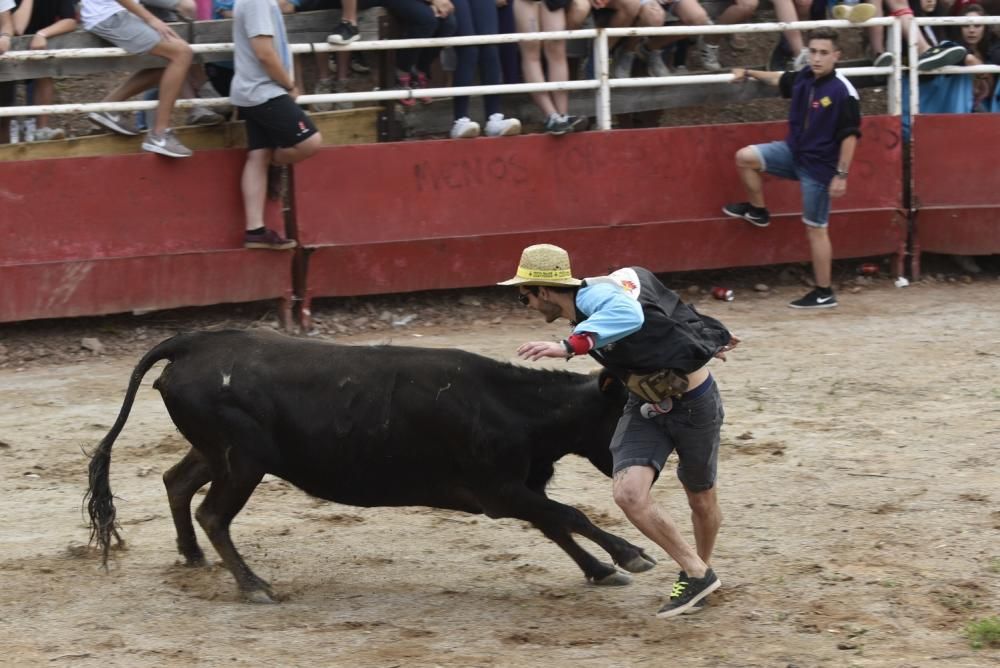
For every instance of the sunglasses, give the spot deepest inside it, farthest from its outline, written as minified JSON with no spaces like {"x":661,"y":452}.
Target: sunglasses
{"x":524,"y":298}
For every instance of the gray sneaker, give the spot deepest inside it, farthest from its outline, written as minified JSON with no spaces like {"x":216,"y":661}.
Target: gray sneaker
{"x":114,"y":122}
{"x":203,"y":116}
{"x":622,"y":67}
{"x":655,"y":66}
{"x":166,"y":144}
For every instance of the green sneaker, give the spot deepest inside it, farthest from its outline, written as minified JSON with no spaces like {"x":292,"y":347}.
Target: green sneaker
{"x":687,"y":592}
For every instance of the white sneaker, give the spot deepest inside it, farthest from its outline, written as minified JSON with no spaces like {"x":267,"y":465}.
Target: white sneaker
{"x":48,"y":134}
{"x":655,"y":65}
{"x":323,"y":87}
{"x":622,"y":68}
{"x":802,"y":60}
{"x":464,"y":128}
{"x":203,"y":116}
{"x":709,"y":55}
{"x":498,"y":126}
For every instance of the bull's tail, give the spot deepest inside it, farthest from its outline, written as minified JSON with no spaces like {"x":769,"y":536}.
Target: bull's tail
{"x":100,"y":500}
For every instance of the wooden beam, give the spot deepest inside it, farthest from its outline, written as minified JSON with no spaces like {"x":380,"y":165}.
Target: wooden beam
{"x":349,"y":126}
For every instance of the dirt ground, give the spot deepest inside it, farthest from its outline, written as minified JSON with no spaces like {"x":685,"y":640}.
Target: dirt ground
{"x":858,"y":480}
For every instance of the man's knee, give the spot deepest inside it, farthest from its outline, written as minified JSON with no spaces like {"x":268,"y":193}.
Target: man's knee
{"x":631,"y":493}
{"x":175,"y":50}
{"x":747,"y":157}
{"x":652,"y":15}
{"x":554,"y":50}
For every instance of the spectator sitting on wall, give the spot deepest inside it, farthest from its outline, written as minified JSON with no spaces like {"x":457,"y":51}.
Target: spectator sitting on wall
{"x":479,"y":17}
{"x":691,"y":13}
{"x":7,"y":88}
{"x":278,"y":132}
{"x":420,"y":20}
{"x":197,"y":84}
{"x":43,"y":19}
{"x":929,"y":57}
{"x":346,"y":32}
{"x":132,"y":27}
{"x":544,"y":16}
{"x":608,"y":14}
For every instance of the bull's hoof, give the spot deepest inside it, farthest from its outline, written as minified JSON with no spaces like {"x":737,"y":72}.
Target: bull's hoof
{"x":616,"y":579}
{"x":258,"y":596}
{"x":639,"y":563}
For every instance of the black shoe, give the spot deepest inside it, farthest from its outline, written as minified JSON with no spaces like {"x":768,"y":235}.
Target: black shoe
{"x":816,"y":299}
{"x":941,"y":55}
{"x":757,"y":216}
{"x":557,"y":125}
{"x":687,"y":592}
{"x":883,"y":59}
{"x":578,"y":123}
{"x":345,"y":33}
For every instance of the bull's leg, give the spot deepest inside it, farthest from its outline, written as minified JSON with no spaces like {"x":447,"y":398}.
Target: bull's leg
{"x":182,"y":480}
{"x":226,"y":497}
{"x":556,"y":521}
{"x":630,"y":557}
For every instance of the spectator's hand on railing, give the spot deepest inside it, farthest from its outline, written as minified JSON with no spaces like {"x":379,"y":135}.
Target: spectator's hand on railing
{"x":740,"y":75}
{"x":442,"y":8}
{"x":38,"y":42}
{"x":4,"y":44}
{"x":294,"y":92}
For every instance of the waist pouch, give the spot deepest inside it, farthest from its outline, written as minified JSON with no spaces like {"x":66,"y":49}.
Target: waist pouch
{"x":657,"y":386}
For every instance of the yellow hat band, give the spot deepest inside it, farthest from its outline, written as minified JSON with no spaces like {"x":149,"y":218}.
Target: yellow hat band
{"x":544,"y":274}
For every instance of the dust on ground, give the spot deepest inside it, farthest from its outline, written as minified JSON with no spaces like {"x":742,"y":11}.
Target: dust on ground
{"x":858,"y":481}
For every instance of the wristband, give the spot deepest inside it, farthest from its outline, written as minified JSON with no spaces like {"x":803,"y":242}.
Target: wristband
{"x":568,"y":347}
{"x":842,"y":173}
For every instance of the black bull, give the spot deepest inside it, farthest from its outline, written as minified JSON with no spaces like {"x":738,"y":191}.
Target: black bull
{"x":368,"y":426}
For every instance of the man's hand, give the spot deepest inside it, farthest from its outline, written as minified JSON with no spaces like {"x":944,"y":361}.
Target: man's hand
{"x":4,"y":44}
{"x":733,"y":342}
{"x":442,"y":8}
{"x":294,"y":91}
{"x":838,"y":186}
{"x":165,"y":31}
{"x":536,"y":350}
{"x":740,"y":74}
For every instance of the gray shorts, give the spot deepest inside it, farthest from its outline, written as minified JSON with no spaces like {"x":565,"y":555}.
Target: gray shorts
{"x":691,"y":428}
{"x":127,"y":31}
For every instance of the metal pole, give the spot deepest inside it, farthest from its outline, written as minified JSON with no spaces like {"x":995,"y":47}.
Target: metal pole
{"x":601,"y":70}
{"x":896,"y":80}
{"x":914,"y":72}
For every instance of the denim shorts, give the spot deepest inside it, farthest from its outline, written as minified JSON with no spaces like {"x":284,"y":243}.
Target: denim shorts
{"x":776,"y":158}
{"x":691,"y":429}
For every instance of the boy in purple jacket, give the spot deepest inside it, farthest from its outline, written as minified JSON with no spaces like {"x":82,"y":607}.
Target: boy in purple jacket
{"x":824,"y":125}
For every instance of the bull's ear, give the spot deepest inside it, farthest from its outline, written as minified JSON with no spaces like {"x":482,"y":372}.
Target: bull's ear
{"x":606,"y":382}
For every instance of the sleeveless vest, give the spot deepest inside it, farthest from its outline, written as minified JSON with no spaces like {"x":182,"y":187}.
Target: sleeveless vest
{"x":673,"y":335}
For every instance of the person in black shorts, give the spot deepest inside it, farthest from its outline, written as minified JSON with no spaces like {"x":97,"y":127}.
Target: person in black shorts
{"x":279,"y":133}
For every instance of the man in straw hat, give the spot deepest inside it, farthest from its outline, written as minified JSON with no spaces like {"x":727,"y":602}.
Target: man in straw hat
{"x":659,"y":347}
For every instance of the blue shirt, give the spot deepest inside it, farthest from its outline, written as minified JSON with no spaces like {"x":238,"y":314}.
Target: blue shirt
{"x":612,"y":314}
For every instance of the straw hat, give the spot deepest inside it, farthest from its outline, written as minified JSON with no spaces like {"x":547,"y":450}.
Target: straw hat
{"x":543,"y":264}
